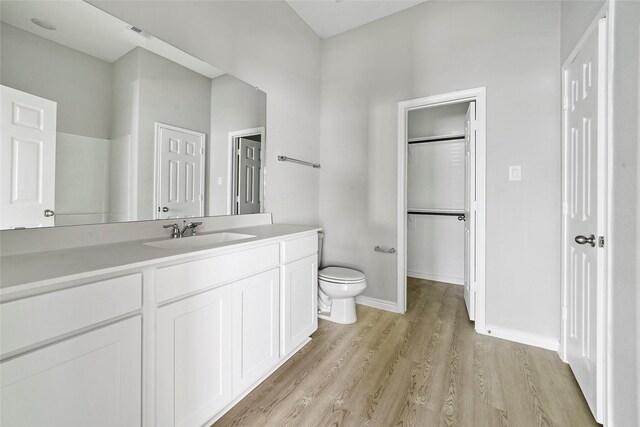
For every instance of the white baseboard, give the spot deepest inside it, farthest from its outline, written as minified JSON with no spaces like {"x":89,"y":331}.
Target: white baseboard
{"x":377,"y":303}
{"x":436,"y":278}
{"x":524,"y":338}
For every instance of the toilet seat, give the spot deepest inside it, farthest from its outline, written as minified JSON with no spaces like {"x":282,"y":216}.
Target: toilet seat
{"x":341,"y":275}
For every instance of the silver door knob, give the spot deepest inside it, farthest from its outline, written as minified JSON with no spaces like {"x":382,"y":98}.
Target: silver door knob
{"x":49,"y":213}
{"x":581,"y":240}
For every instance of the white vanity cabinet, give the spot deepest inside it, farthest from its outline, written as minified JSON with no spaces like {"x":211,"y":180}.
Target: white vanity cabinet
{"x":256,"y":312}
{"x":91,"y":379}
{"x":194,"y":365}
{"x":73,"y":357}
{"x":299,"y":289}
{"x":171,"y":341}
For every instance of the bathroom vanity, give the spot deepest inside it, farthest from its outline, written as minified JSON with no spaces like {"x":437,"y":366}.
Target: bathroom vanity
{"x":152,"y":331}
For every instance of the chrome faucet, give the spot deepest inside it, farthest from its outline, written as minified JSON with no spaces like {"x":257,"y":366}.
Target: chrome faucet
{"x":192,"y":226}
{"x":176,"y":233}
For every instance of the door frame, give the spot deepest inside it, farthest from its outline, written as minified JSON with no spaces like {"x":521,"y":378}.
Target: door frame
{"x":478,"y":95}
{"x":605,"y":181}
{"x":233,"y":136}
{"x":156,"y":163}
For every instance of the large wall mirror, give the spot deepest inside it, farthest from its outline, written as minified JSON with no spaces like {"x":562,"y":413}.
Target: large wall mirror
{"x":102,"y":122}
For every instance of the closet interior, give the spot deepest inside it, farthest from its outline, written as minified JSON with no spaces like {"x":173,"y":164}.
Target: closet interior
{"x":436,"y":193}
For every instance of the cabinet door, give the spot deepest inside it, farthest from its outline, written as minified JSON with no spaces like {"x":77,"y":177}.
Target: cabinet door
{"x":193,"y":371}
{"x":300,"y":302}
{"x":91,"y":379}
{"x":255,"y":328}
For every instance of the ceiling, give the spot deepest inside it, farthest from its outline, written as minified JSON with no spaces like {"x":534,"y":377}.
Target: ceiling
{"x":86,"y":28}
{"x":330,"y":17}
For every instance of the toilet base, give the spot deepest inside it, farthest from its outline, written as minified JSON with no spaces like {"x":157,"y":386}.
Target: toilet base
{"x":343,"y":310}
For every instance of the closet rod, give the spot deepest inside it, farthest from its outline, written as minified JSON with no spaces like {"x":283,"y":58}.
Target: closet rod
{"x":444,"y":138}
{"x":460,"y":215}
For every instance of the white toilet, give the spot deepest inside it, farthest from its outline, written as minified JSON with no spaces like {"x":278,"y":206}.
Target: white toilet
{"x":337,"y":291}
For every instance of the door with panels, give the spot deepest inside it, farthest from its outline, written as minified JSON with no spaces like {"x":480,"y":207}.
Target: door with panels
{"x":470,"y":202}
{"x":180,"y":172}
{"x":248,"y":169}
{"x":584,"y":209}
{"x":27,"y":159}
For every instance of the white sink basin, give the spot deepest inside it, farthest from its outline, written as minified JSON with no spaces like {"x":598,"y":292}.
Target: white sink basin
{"x":193,"y":242}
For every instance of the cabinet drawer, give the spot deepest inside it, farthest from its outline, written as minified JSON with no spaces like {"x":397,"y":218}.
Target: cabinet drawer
{"x":294,"y":249}
{"x":31,"y":320}
{"x":188,"y":277}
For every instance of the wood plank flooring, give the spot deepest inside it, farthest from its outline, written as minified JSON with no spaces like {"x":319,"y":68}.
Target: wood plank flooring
{"x":426,"y":368}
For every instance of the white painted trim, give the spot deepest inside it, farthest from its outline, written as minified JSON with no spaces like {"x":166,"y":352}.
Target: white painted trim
{"x":524,"y":338}
{"x":605,"y":171}
{"x":479,"y":95}
{"x":232,"y":150}
{"x":436,"y":278}
{"x":377,"y":303}
{"x":156,"y":161}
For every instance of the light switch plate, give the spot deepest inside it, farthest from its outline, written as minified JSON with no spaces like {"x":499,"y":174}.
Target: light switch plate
{"x":219,"y":180}
{"x":515,"y":173}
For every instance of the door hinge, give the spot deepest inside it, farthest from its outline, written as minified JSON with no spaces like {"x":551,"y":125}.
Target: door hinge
{"x":474,"y":206}
{"x":565,"y":103}
{"x":601,"y":241}
{"x":564,"y":312}
{"x":565,"y":208}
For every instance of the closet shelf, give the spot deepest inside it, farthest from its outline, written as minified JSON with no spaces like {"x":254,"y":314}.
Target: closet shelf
{"x":438,"y":138}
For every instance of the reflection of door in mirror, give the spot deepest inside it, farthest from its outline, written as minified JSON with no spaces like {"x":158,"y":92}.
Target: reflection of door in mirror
{"x":180,"y":172}
{"x":27,"y":159}
{"x":247,"y":174}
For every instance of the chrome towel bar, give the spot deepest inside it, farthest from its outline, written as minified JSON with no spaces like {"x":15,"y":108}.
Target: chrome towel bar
{"x":302,"y":162}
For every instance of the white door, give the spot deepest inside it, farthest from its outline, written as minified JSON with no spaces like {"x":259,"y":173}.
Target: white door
{"x":300,"y":302}
{"x":248,"y":173}
{"x":256,"y":339}
{"x":584,"y":204}
{"x":180,"y":172}
{"x":93,"y":379}
{"x":470,"y":197}
{"x":27,"y":159}
{"x":193,"y":368}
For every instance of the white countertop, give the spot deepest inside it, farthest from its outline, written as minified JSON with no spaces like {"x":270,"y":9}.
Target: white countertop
{"x":29,"y":274}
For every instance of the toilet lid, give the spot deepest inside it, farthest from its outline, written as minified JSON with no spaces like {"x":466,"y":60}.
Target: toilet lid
{"x":341,"y":274}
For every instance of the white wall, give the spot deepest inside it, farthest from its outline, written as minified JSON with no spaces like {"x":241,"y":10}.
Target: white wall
{"x":512,"y":48}
{"x":625,"y":271}
{"x":235,"y":106}
{"x":269,"y":46}
{"x":79,"y":83}
{"x":575,"y":17}
{"x":82,"y":179}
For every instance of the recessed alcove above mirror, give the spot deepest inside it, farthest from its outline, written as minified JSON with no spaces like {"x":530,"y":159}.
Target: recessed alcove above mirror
{"x":102,"y":122}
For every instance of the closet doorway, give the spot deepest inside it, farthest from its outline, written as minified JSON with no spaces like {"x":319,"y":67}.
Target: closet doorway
{"x":441,"y":183}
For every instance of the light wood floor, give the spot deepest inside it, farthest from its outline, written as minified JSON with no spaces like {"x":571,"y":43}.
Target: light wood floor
{"x":426,"y":368}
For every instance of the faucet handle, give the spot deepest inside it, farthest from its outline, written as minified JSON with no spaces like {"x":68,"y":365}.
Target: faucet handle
{"x":193,"y":226}
{"x":175,"y":232}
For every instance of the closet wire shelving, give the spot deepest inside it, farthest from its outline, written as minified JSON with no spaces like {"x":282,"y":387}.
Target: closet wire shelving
{"x":431,"y":139}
